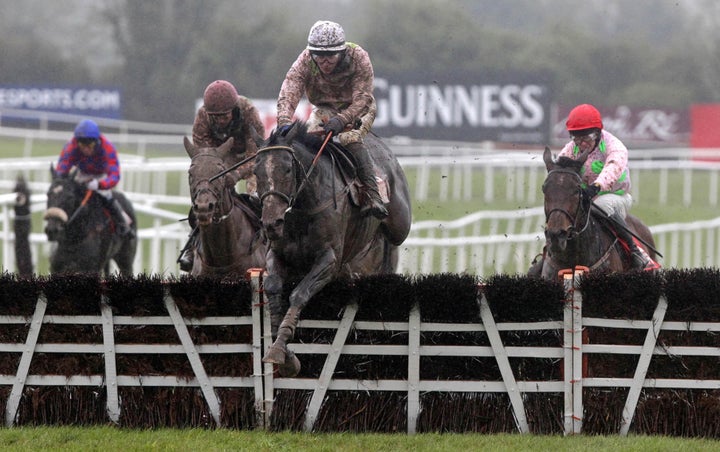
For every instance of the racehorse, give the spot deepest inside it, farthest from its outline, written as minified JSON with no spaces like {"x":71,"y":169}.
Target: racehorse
{"x":85,"y":233}
{"x":315,"y":228}
{"x":576,"y":233}
{"x":229,"y":224}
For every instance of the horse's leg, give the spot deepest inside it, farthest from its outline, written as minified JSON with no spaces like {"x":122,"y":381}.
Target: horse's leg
{"x":324,"y":270}
{"x":273,"y":290}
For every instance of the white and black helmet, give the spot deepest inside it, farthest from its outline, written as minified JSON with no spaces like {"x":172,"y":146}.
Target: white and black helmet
{"x":326,"y":36}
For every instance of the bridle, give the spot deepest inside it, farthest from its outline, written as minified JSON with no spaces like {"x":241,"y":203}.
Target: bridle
{"x":61,"y":214}
{"x":573,"y":231}
{"x":289,"y":199}
{"x":206,"y":185}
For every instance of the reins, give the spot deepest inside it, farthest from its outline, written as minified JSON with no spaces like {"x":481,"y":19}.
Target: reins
{"x":291,"y":199}
{"x":312,"y":167}
{"x":573,"y":219}
{"x":83,"y":203}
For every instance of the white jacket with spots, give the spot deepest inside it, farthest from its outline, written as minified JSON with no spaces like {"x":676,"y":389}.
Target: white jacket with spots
{"x":606,"y":165}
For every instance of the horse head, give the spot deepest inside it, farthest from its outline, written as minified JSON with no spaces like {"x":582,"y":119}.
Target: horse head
{"x":566,"y":209}
{"x":64,"y":197}
{"x":210,"y":195}
{"x":279,"y":173}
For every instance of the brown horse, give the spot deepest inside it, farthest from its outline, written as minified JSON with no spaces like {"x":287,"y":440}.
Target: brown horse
{"x":576,"y":233}
{"x":316,"y":231}
{"x":228,"y":223}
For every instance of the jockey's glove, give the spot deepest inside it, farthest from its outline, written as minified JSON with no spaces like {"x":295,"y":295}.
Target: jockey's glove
{"x":591,"y":191}
{"x":93,"y":185}
{"x":334,"y":125}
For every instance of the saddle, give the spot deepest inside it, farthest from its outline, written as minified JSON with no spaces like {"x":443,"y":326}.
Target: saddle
{"x":344,"y":160}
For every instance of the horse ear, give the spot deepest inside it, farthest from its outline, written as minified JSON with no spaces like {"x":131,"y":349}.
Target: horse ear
{"x":548,"y":158}
{"x":53,"y":173}
{"x":189,"y":147}
{"x":224,"y":149}
{"x":257,"y":138}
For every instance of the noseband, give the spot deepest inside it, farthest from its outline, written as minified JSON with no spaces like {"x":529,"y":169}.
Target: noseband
{"x":573,"y":231}
{"x":204,"y":186}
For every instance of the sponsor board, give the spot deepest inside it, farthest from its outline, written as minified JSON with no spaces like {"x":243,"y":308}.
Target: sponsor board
{"x":635,"y":126}
{"x":89,"y":101}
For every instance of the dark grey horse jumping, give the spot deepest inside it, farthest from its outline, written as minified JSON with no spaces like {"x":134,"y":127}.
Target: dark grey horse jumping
{"x":315,"y":229}
{"x":576,"y":233}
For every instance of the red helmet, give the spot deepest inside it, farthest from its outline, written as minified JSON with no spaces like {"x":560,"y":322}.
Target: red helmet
{"x":220,"y":97}
{"x":583,"y":117}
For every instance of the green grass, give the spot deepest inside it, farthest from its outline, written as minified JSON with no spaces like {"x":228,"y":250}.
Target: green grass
{"x":110,"y":438}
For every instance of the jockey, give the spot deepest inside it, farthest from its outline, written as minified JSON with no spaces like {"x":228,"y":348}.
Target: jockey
{"x":97,"y":162}
{"x":225,"y":114}
{"x":606,"y":176}
{"x":337,"y":77}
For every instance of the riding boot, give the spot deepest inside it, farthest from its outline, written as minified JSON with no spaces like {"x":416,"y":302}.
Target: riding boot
{"x":639,"y":258}
{"x":372,"y":202}
{"x":118,"y":216}
{"x":187,"y":255}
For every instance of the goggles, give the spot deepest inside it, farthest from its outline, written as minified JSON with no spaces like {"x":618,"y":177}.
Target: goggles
{"x":587,"y":138}
{"x":86,"y":141}
{"x":319,"y":55}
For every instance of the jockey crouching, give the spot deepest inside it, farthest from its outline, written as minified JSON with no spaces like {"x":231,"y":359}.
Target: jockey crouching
{"x":337,"y":77}
{"x":99,"y":168}
{"x":225,"y":114}
{"x":605,"y":178}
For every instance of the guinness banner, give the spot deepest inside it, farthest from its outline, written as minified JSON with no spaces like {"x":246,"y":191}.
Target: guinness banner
{"x":509,"y":111}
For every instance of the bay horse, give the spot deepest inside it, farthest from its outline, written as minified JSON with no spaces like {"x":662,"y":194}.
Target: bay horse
{"x":86,"y":237}
{"x":576,"y":232}
{"x":229,"y":224}
{"x":314,"y":225}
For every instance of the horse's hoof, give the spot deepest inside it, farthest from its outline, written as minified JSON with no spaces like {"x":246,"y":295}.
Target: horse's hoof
{"x":275,"y":355}
{"x":291,"y":367}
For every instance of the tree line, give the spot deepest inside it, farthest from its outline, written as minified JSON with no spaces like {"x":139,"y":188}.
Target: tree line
{"x":163,"y":53}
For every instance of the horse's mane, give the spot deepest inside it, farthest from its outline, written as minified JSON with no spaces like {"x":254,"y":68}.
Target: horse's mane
{"x":567,"y":162}
{"x":310,"y":140}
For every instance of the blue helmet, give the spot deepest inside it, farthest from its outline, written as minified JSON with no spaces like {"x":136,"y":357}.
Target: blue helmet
{"x":87,"y":129}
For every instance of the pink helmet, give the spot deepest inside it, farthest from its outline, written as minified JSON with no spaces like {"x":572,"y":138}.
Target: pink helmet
{"x":582,"y":117}
{"x":220,"y":97}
